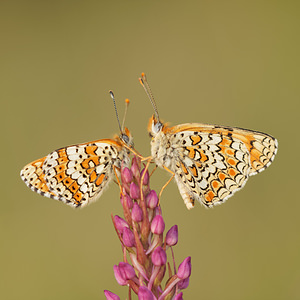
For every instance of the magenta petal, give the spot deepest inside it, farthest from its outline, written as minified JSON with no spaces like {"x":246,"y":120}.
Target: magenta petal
{"x":137,"y":213}
{"x":134,"y":191}
{"x":184,"y":283}
{"x":158,"y":225}
{"x":159,"y":256}
{"x":178,"y":297}
{"x":145,"y":294}
{"x":128,"y":200}
{"x":146,"y":177}
{"x":185,"y":268}
{"x":126,"y":175}
{"x":172,"y":236}
{"x":128,"y":237}
{"x":152,"y":199}
{"x":111,"y":296}
{"x":120,"y":223}
{"x":120,"y":279}
{"x":126,"y":270}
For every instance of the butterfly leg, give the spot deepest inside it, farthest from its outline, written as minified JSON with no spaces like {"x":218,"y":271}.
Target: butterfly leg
{"x":118,"y":180}
{"x":165,"y":185}
{"x":153,"y":170}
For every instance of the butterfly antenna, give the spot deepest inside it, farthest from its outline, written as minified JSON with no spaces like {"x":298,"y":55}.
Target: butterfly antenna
{"x":125,"y":113}
{"x":145,"y":85}
{"x":116,"y":111}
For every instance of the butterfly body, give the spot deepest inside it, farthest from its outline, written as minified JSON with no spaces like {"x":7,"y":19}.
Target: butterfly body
{"x":209,"y":162}
{"x":78,"y":174}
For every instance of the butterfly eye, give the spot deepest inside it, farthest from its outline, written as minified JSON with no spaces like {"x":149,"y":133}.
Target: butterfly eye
{"x":156,"y":127}
{"x":125,"y":138}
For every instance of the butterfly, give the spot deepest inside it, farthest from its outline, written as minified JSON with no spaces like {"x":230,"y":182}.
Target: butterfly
{"x":78,"y":174}
{"x":209,"y":162}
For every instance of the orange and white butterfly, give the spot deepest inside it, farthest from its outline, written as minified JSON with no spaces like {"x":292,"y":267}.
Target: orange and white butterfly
{"x":210,"y":163}
{"x":77,"y":175}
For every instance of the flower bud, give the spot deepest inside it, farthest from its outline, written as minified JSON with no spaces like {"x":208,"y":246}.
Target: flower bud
{"x":128,"y":199}
{"x":128,"y":237}
{"x":137,"y":213}
{"x":185,"y":268}
{"x":178,"y":297}
{"x":135,"y":168}
{"x":120,"y":223}
{"x":111,"y":296}
{"x":152,"y":199}
{"x":146,"y":177}
{"x":134,"y":191}
{"x":172,"y":236}
{"x":120,"y":279}
{"x":126,"y":271}
{"x":159,"y":256}
{"x":126,"y":175}
{"x":184,"y":283}
{"x":158,"y":225}
{"x":145,"y":294}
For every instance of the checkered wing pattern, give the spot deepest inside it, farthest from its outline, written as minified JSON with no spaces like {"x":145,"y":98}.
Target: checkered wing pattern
{"x":75,"y":175}
{"x":212,"y":162}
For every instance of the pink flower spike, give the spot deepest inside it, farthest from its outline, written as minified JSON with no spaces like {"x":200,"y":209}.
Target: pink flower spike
{"x":120,"y":279}
{"x":178,"y":297}
{"x":184,"y":283}
{"x":126,"y":175}
{"x":128,"y":237}
{"x":172,"y":236}
{"x":146,"y":177}
{"x":120,"y":223}
{"x":185,"y":268}
{"x":134,"y":191}
{"x":136,"y":213}
{"x":159,"y":256}
{"x":126,"y":271}
{"x":111,"y":296}
{"x":145,"y":294}
{"x":158,"y":225}
{"x":152,"y":199}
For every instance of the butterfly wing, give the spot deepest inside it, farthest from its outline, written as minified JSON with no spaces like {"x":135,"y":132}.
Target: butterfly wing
{"x":76,"y":174}
{"x":212,"y":162}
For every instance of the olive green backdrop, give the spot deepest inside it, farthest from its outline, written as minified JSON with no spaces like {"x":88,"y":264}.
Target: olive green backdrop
{"x":222,"y":62}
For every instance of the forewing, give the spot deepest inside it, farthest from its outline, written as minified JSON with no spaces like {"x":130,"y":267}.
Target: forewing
{"x":34,"y":177}
{"x":76,"y":174}
{"x":209,"y":167}
{"x":261,"y":146}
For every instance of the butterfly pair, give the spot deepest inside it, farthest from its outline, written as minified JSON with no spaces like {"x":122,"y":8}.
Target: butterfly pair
{"x":209,"y":163}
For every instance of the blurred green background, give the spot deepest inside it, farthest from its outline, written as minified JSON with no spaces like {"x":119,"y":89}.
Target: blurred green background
{"x":221,"y":62}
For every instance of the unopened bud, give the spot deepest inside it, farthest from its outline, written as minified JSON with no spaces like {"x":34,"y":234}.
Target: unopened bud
{"x":159,"y":256}
{"x":152,"y":199}
{"x":185,"y":268}
{"x":120,"y":279}
{"x":145,"y":294}
{"x":128,"y":237}
{"x":137,"y":213}
{"x":172,"y":236}
{"x":126,"y":270}
{"x":146,"y":177}
{"x":126,"y":175}
{"x":158,"y":225}
{"x":111,"y":296}
{"x":134,"y":191}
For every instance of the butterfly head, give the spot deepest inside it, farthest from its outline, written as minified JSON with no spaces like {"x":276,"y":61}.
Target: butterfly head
{"x":126,"y":137}
{"x":154,"y":126}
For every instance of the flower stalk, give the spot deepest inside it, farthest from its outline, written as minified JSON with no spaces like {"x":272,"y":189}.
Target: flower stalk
{"x":141,"y":233}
